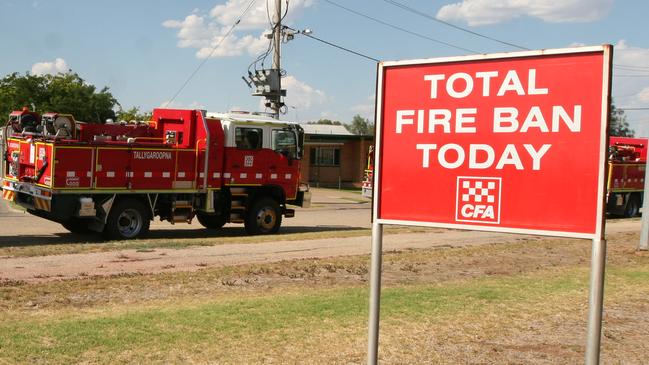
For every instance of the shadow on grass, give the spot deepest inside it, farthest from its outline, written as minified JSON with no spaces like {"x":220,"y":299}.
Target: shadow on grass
{"x":170,"y":233}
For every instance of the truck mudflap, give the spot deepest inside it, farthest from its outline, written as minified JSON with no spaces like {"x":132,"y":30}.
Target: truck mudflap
{"x":8,"y":195}
{"x":303,"y":198}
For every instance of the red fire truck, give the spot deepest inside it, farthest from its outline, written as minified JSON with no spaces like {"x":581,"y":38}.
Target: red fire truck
{"x":183,"y":164}
{"x":625,"y":186}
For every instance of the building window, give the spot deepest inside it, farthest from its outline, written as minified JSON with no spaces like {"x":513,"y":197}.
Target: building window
{"x":325,"y":156}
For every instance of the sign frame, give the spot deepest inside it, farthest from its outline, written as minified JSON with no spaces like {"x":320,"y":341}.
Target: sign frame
{"x":598,"y":251}
{"x":606,"y":51}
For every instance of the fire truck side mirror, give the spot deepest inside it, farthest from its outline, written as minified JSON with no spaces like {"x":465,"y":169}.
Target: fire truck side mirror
{"x":170,"y":137}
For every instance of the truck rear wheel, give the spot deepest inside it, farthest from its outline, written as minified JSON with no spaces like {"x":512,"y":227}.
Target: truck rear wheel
{"x":127,"y":219}
{"x":264,"y":217}
{"x":211,"y":221}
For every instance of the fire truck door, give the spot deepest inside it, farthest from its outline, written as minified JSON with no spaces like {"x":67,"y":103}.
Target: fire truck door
{"x":284,"y":158}
{"x":244,"y":165}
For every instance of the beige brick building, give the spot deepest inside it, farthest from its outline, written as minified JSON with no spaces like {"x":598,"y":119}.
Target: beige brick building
{"x":333,"y":156}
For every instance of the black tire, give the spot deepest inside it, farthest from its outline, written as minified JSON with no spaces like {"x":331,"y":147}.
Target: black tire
{"x":632,"y":208}
{"x":263,"y":217}
{"x":76,"y":225}
{"x":211,"y":221}
{"x":128,"y":219}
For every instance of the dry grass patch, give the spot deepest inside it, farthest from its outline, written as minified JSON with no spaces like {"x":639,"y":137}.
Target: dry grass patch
{"x":522,"y":302}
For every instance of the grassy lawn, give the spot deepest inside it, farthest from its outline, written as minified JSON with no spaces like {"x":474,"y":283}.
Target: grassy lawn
{"x":514,"y":303}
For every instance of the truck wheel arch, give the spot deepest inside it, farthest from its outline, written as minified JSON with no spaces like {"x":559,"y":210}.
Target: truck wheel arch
{"x":128,"y":218}
{"x":273,"y":191}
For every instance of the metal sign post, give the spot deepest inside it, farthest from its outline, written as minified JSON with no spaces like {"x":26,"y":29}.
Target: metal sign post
{"x":375,"y":293}
{"x":595,"y":301}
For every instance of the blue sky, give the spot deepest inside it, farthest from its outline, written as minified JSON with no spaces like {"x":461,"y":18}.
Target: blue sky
{"x":145,"y":49}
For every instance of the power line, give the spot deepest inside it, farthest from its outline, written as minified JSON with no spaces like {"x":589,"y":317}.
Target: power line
{"x":415,"y":11}
{"x":633,"y":69}
{"x":627,"y":109}
{"x":399,"y":28}
{"x":340,"y":47}
{"x":642,"y":75}
{"x":631,"y":66}
{"x":213,"y":50}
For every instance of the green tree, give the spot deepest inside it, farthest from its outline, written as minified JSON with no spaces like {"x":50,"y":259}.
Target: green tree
{"x":63,"y":93}
{"x":618,"y":125}
{"x":361,"y":126}
{"x":132,"y":114}
{"x":326,"y":121}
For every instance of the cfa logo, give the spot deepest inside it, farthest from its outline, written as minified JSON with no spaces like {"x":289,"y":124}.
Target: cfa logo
{"x":478,"y":199}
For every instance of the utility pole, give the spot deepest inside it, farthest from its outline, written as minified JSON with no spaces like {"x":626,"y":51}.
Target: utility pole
{"x":268,"y":82}
{"x":277,"y":43}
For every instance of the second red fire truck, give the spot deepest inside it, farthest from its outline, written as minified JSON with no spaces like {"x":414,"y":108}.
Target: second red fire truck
{"x":626,"y":172}
{"x":184,"y":164}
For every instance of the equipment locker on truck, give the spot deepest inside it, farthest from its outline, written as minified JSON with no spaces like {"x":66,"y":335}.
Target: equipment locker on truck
{"x":183,"y":164}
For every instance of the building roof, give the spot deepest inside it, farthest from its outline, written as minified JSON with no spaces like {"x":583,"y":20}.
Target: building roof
{"x":326,"y":129}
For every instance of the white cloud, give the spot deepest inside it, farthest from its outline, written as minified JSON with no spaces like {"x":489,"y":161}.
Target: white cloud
{"x":52,"y":68}
{"x":643,"y":95}
{"x":365,"y":109}
{"x":301,"y":95}
{"x":632,"y":92}
{"x":629,"y":60}
{"x":484,"y":12}
{"x":234,"y":46}
{"x":259,"y":16}
{"x":192,"y":31}
{"x":180,"y":105}
{"x":631,"y":56}
{"x":205,"y":32}
{"x":301,"y":98}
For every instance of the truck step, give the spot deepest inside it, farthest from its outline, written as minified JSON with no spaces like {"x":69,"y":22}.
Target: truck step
{"x":237,"y":204}
{"x":182,"y":204}
{"x":238,"y":191}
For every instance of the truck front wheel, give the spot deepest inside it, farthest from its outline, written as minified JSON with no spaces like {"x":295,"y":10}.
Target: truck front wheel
{"x":127,"y":219}
{"x":264,"y":217}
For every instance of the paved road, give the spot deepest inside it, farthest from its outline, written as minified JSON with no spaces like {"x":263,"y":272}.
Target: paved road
{"x":331,"y":210}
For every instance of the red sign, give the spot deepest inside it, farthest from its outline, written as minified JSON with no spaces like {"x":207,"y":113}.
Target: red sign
{"x":508,"y":142}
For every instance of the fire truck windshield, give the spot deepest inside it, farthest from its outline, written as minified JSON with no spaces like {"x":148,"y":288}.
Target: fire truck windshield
{"x":284,"y":141}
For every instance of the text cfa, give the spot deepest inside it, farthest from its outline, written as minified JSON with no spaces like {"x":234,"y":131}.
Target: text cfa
{"x":505,"y":120}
